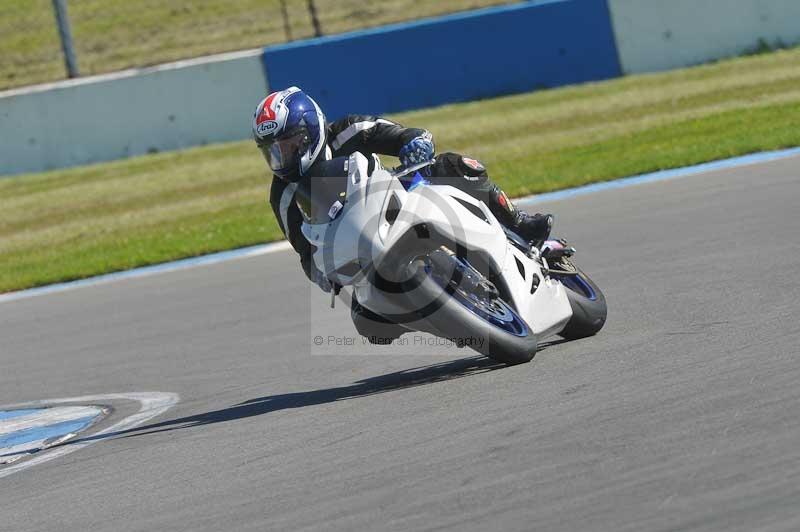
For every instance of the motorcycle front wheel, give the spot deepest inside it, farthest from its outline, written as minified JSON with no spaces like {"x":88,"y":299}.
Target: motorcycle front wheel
{"x":488,"y":325}
{"x":588,"y":304}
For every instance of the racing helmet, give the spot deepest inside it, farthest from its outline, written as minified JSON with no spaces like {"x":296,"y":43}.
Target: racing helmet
{"x":290,"y":130}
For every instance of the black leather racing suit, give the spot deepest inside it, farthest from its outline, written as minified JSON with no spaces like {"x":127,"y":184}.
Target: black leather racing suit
{"x":369,"y":134}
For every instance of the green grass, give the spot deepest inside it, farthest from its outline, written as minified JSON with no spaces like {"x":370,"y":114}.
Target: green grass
{"x":116,"y":34}
{"x":85,"y":221}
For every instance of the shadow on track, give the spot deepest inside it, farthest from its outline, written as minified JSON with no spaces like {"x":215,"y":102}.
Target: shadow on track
{"x":374,"y":385}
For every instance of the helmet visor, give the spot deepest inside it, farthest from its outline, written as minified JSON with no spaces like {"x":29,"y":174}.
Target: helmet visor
{"x":283,"y":153}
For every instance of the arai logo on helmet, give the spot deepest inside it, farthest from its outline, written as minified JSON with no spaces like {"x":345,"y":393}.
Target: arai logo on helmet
{"x":265,"y":128}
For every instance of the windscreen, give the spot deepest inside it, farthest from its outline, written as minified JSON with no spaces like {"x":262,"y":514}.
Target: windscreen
{"x":320,"y":199}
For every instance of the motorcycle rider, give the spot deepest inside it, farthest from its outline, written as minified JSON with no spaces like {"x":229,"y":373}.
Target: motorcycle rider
{"x":293,"y":135}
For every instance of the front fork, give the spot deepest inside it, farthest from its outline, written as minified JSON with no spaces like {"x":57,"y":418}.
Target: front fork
{"x":458,"y":272}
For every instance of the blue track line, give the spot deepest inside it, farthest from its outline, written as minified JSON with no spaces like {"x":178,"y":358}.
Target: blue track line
{"x":36,"y":434}
{"x":145,"y":271}
{"x":11,"y":414}
{"x":663,"y":175}
{"x":225,"y":256}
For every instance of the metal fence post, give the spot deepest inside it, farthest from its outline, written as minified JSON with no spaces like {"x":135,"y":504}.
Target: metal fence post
{"x":65,"y":32}
{"x":314,"y":19}
{"x":286,"y":26}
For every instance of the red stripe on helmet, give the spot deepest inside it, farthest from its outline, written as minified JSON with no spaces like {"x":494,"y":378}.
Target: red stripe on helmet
{"x":266,"y":112}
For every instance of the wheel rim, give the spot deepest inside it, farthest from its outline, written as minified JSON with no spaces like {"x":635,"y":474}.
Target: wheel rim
{"x":494,"y":311}
{"x":578,"y":284}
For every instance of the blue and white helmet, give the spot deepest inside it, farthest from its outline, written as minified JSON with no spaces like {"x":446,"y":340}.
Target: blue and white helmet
{"x":290,"y":130}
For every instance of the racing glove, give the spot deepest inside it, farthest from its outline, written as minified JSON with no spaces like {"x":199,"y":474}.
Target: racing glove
{"x":418,"y":150}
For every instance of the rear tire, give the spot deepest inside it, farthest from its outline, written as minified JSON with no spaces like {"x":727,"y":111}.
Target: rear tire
{"x":588,"y":315}
{"x":443,"y":315}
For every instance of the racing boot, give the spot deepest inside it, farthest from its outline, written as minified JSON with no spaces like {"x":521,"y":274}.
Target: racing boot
{"x":534,"y":228}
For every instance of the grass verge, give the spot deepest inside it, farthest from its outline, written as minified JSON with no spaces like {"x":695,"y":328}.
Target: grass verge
{"x":70,"y":224}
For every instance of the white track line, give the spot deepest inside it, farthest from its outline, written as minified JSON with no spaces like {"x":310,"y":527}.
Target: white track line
{"x":153,"y":404}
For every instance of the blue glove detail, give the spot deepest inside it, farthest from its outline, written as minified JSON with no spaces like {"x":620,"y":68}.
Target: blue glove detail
{"x":418,"y":150}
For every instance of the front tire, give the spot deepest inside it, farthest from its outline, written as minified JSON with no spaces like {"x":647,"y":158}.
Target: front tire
{"x":588,"y":304}
{"x":445,"y":313}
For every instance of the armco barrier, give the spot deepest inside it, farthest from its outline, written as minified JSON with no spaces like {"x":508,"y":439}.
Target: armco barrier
{"x":478,"y":54}
{"x":660,"y":35}
{"x":88,"y":120}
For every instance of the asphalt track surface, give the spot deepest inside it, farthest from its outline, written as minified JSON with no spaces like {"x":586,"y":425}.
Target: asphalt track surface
{"x":682,"y":414}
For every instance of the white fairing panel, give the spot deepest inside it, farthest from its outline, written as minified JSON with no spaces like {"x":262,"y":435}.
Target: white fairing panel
{"x":378,"y":211}
{"x":547,"y":310}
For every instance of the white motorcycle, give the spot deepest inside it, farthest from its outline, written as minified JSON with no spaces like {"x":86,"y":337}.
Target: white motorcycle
{"x":431,"y":258}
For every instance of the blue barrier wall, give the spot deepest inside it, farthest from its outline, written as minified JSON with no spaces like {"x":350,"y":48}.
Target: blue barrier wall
{"x":477,"y":54}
